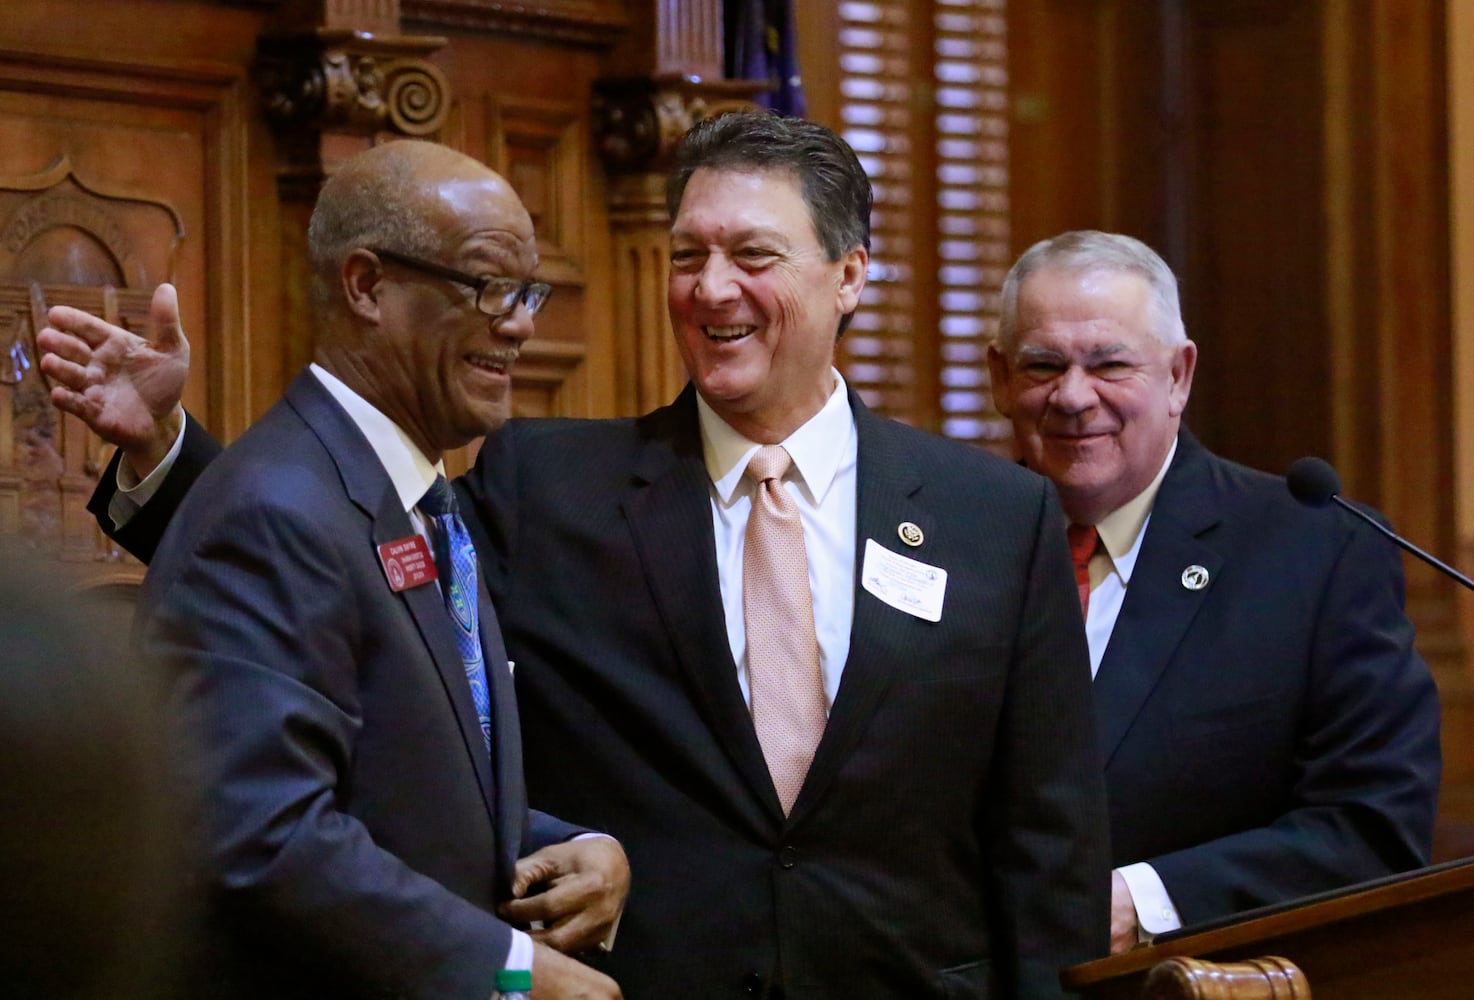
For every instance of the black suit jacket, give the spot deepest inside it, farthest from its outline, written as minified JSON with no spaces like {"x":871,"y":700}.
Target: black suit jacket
{"x":949,"y":838}
{"x":358,"y":833}
{"x":1273,"y":734}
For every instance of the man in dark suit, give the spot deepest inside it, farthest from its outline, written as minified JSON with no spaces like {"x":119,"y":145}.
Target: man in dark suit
{"x":940,"y":830}
{"x":1267,"y":728}
{"x":364,"y":808}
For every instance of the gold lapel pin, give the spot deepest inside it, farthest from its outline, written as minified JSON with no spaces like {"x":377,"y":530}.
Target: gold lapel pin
{"x":910,"y":533}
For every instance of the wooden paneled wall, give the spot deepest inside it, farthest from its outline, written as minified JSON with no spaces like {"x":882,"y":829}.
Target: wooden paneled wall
{"x":131,"y":152}
{"x":223,"y":117}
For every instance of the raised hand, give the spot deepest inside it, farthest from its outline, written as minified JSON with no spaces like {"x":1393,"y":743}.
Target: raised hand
{"x":125,"y":387}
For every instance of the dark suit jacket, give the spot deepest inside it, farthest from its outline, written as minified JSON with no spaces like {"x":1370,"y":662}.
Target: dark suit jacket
{"x":949,"y":838}
{"x":358,"y":833}
{"x":1273,"y":734}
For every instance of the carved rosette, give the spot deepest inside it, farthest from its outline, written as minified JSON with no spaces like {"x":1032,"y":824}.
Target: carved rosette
{"x":638,"y":123}
{"x":350,"y":82}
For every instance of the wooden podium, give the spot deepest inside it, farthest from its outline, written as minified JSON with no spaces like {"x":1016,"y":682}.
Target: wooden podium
{"x":1406,"y":936}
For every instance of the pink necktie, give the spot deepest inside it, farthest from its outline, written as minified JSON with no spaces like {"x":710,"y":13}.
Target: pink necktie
{"x":782,"y":651}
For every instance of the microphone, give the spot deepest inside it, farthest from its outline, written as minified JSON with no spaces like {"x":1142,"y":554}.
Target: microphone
{"x":1313,"y":481}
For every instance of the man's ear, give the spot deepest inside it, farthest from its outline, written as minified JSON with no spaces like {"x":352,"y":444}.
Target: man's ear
{"x":361,"y":279}
{"x":852,"y":273}
{"x":998,"y":374}
{"x":1184,"y":363}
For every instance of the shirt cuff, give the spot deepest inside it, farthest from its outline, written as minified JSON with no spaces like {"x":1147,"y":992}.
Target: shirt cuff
{"x":519,"y":956}
{"x":132,"y":493}
{"x":1155,"y":911}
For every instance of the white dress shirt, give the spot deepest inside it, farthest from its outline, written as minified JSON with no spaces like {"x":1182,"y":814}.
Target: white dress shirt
{"x":822,"y":484}
{"x":1121,"y":532}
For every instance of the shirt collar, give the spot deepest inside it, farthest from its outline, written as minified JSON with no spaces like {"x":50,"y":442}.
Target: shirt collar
{"x":408,"y":468}
{"x":814,"y":447}
{"x":1121,"y":530}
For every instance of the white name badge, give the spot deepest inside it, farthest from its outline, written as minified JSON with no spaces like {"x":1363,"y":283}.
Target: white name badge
{"x":903,"y":583}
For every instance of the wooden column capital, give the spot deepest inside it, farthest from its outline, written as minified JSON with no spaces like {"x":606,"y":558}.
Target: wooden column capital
{"x":339,"y":80}
{"x":638,"y":121}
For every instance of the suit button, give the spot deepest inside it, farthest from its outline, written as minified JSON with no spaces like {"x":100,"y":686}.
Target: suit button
{"x":752,"y":984}
{"x":788,"y":856}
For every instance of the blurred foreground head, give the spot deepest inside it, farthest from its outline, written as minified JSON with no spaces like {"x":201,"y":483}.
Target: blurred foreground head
{"x":90,"y":851}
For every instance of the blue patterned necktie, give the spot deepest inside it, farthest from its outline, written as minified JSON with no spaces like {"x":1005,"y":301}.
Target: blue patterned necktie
{"x":455,"y":561}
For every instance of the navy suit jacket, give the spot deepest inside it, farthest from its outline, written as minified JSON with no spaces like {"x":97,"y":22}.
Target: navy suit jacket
{"x":358,"y":834}
{"x":949,"y":839}
{"x":1273,"y":734}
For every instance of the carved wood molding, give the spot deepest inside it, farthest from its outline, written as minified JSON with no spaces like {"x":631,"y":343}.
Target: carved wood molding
{"x":594,"y":23}
{"x":540,"y":147}
{"x":638,"y":121}
{"x":57,"y":197}
{"x":337,"y":80}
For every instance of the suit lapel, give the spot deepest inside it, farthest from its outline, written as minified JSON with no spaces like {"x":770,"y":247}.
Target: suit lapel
{"x":368,"y":486}
{"x":888,"y":493}
{"x":668,"y":508}
{"x":1158,"y":607}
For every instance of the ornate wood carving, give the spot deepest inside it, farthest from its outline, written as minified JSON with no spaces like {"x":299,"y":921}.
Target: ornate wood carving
{"x":57,"y":224}
{"x":61,"y":235}
{"x":639,"y":121}
{"x":339,"y":80}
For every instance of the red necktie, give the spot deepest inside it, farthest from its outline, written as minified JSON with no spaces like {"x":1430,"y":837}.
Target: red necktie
{"x":778,"y":610}
{"x":1084,"y":540}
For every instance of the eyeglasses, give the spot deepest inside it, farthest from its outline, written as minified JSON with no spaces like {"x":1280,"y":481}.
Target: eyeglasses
{"x":494,"y":296}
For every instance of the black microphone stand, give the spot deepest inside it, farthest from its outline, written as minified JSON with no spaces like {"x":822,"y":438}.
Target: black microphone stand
{"x":1403,"y":543}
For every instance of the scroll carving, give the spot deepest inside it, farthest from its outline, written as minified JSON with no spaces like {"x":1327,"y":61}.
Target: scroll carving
{"x":638,"y":122}
{"x":342,"y":81}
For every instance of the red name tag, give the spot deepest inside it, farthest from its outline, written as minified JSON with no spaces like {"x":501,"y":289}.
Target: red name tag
{"x":407,"y":562}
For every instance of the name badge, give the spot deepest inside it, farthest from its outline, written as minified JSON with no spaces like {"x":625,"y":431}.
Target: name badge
{"x":407,"y":562}
{"x":904,"y":583}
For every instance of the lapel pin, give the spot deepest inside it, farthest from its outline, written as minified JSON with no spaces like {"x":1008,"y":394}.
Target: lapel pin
{"x":910,"y":533}
{"x":1195,"y":577}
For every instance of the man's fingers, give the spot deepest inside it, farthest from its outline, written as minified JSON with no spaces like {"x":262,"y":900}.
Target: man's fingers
{"x":164,"y":328}
{"x":52,"y":341}
{"x":565,"y":937}
{"x":525,"y":911}
{"x":68,"y":373}
{"x":74,"y":403}
{"x":83,"y":325}
{"x":529,"y":872}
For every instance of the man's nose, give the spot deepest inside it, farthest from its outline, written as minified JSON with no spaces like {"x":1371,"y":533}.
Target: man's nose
{"x":516,"y":325}
{"x":1074,"y":392}
{"x":716,"y":281}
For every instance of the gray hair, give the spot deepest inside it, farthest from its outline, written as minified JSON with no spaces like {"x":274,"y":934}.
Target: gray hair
{"x":367,"y":206}
{"x":1085,"y":250}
